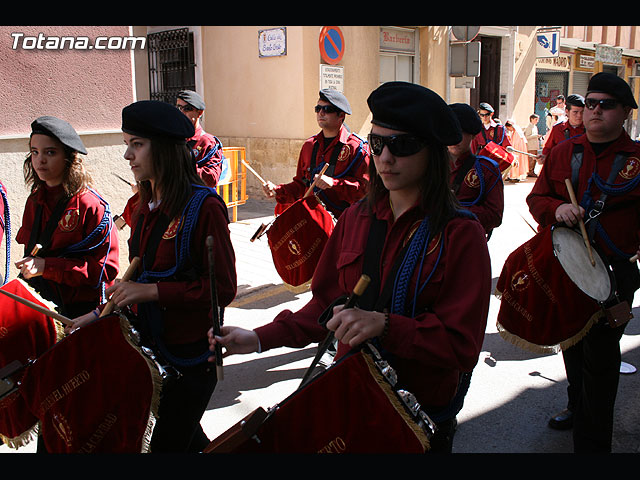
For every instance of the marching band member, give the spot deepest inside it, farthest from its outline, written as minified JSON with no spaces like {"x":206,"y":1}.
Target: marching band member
{"x":570,"y":127}
{"x":171,"y":292}
{"x":476,"y":180}
{"x":207,"y":148}
{"x":346,"y":179}
{"x":604,"y":169}
{"x":72,"y":223}
{"x":429,"y":321}
{"x":491,"y":130}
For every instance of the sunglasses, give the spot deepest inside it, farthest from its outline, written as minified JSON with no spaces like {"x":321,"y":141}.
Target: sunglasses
{"x":326,"y":109}
{"x":401,"y":145}
{"x":605,"y":103}
{"x":185,"y":108}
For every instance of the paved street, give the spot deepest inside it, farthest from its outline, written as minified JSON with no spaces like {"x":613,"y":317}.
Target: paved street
{"x":512,"y":394}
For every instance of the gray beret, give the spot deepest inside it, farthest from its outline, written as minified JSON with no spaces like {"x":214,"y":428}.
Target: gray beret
{"x":336,"y":99}
{"x":192,"y":98}
{"x":57,"y":128}
{"x":153,"y":118}
{"x":615,"y":86}
{"x":469,"y":119}
{"x":412,"y":108}
{"x":486,"y":106}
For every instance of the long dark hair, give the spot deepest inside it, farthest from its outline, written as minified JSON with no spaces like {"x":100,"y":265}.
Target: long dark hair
{"x":174,"y":171}
{"x":436,"y":198}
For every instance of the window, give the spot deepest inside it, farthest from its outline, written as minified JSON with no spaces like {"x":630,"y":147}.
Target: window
{"x":171,"y":64}
{"x":397,"y":54}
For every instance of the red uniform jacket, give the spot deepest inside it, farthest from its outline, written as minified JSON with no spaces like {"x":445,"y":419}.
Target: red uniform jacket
{"x":77,"y":278}
{"x":496,"y":134}
{"x":445,"y":337}
{"x":621,"y":216}
{"x":350,"y":176}
{"x":482,"y":194}
{"x":186,"y":303}
{"x":208,"y":152}
{"x":559,"y":133}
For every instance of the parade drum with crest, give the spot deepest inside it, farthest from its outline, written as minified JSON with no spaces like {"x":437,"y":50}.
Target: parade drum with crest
{"x":352,"y":407}
{"x":550,"y":292}
{"x":296,"y":239}
{"x":497,"y":153}
{"x":24,"y":335}
{"x":94,"y":391}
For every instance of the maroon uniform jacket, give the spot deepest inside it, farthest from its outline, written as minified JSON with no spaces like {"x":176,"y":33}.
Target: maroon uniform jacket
{"x":621,"y":216}
{"x":76,"y":277}
{"x":559,"y":133}
{"x":185,"y":298}
{"x":479,"y":189}
{"x":349,"y":156}
{"x":496,"y":134}
{"x":430,"y":350}
{"x":208,"y":152}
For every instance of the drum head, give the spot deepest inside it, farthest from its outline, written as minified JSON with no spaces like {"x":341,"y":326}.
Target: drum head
{"x":571,"y":252}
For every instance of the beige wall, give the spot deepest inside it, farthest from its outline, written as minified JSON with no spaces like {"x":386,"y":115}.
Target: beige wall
{"x":266,"y":104}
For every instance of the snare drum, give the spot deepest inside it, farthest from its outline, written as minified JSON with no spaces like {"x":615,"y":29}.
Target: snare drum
{"x":352,"y":407}
{"x":24,"y":335}
{"x":550,"y":293}
{"x":94,"y":391}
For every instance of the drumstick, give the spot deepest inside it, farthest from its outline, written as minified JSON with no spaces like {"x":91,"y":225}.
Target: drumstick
{"x":214,"y":308}
{"x":36,"y":249}
{"x":511,"y":149}
{"x":126,"y":277}
{"x":264,"y":182}
{"x":572,"y":195}
{"x":310,"y":190}
{"x":39,"y":308}
{"x":358,"y":290}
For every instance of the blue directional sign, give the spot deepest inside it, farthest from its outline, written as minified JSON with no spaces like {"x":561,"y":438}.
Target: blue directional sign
{"x":547,"y":44}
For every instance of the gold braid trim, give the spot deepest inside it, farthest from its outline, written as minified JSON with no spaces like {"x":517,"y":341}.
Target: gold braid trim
{"x":532,"y":347}
{"x":397,"y":403}
{"x":156,"y":380}
{"x":22,"y":439}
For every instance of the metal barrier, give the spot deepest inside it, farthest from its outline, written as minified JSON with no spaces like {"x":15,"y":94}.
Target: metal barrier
{"x":233,"y":187}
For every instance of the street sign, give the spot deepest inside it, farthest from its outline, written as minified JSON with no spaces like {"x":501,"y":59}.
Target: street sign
{"x":331,"y":45}
{"x":547,"y":44}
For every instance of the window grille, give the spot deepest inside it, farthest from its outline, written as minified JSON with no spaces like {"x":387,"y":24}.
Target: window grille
{"x":171,"y":64}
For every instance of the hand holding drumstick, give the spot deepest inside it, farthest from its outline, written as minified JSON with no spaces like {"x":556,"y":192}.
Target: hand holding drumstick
{"x":583,"y":230}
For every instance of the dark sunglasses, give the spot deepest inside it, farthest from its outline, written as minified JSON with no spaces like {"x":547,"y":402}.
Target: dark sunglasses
{"x":185,"y":108}
{"x":401,"y":145}
{"x":327,"y":109}
{"x":605,"y":103}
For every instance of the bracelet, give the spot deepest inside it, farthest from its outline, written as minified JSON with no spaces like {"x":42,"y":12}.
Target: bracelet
{"x":385,"y":330}
{"x":95,"y":312}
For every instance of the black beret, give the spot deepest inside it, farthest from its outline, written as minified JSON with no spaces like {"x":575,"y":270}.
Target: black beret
{"x":57,"y":128}
{"x":153,"y":118}
{"x":486,"y":106}
{"x":336,"y":99}
{"x":412,"y":108}
{"x":615,"y":86}
{"x":469,"y":119}
{"x":192,"y":98}
{"x":575,"y":100}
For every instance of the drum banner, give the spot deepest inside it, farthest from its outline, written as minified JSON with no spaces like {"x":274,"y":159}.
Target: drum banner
{"x":297,"y":238}
{"x":349,"y":408}
{"x":541,"y":309}
{"x":498,"y":153}
{"x":94,"y":391}
{"x":24,"y":335}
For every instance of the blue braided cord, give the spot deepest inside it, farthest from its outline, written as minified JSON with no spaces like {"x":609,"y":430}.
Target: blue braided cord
{"x":478,"y":167}
{"x":182,"y":251}
{"x":210,"y":154}
{"x":424,"y":284}
{"x":614,"y":189}
{"x":403,"y":276}
{"x":7,"y":233}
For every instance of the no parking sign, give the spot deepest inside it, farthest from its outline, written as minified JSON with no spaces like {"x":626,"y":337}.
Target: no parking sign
{"x":331,"y":45}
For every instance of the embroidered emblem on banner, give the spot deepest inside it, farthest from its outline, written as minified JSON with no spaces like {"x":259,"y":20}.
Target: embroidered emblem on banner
{"x":471,"y":179}
{"x":344,"y":153}
{"x":69,"y":220}
{"x":519,"y":281}
{"x":631,"y":169}
{"x":294,"y":247}
{"x":172,"y":229}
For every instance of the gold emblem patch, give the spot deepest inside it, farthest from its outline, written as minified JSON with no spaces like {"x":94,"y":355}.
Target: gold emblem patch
{"x":344,"y":153}
{"x":172,"y":229}
{"x":69,"y":220}
{"x":630,"y":169}
{"x":471,"y":179}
